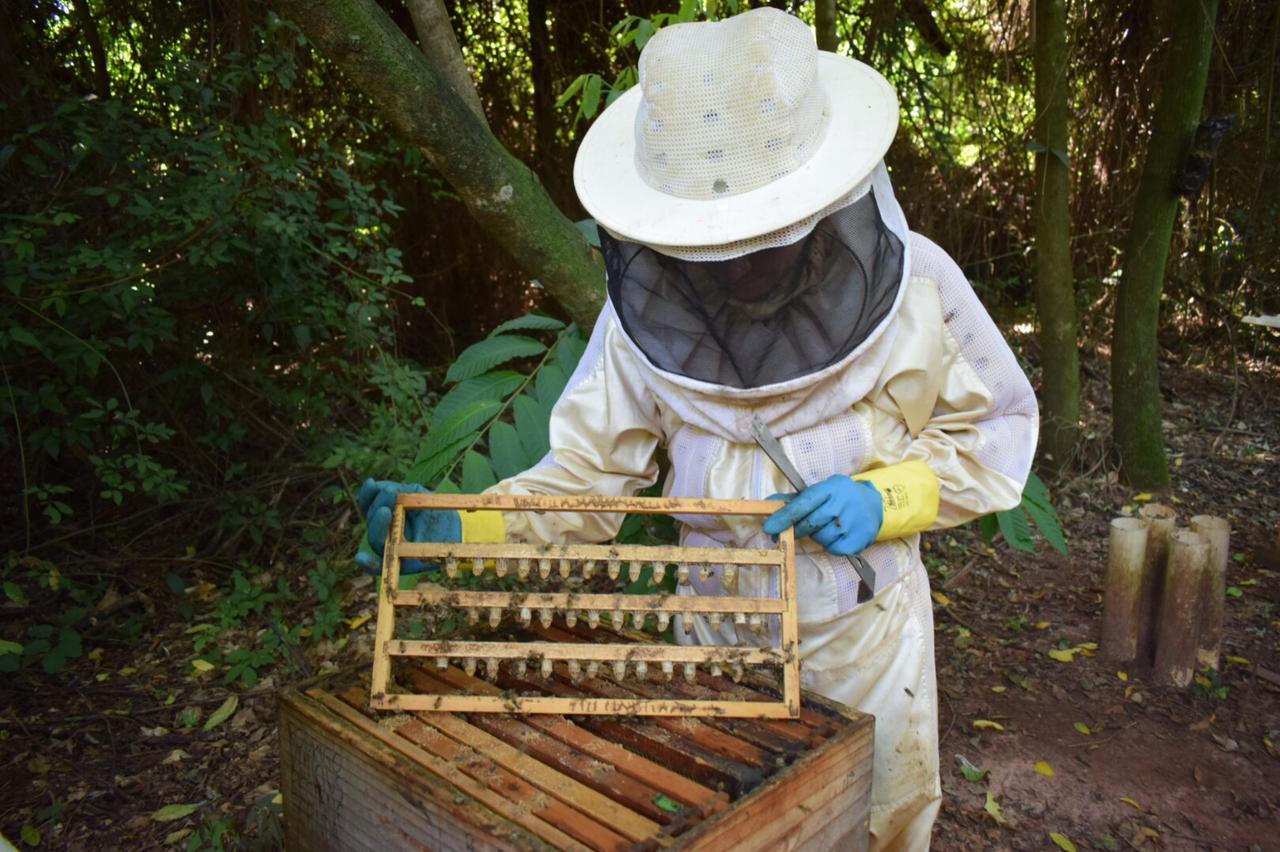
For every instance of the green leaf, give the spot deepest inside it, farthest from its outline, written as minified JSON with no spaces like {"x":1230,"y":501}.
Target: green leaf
{"x":489,"y":353}
{"x":1062,"y":841}
{"x":1016,"y":529}
{"x":14,"y":593}
{"x":69,"y":642}
{"x":571,"y":91}
{"x":533,"y":425}
{"x":528,"y":322}
{"x":30,"y":834}
{"x":993,"y":808}
{"x":1035,"y":491}
{"x":429,"y":470}
{"x":644,"y":32}
{"x":988,"y":526}
{"x":1047,"y":522}
{"x":7,"y":647}
{"x":549,"y":384}
{"x":969,"y":771}
{"x":506,"y":452}
{"x":462,"y":425}
{"x":667,"y":804}
{"x":477,"y":475}
{"x":591,"y":95}
{"x":223,"y":713}
{"x":169,"y":813}
{"x":569,"y":351}
{"x":23,"y":336}
{"x":496,"y":386}
{"x":54,"y":662}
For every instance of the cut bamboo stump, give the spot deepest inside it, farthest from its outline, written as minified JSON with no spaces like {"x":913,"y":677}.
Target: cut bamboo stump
{"x":1177,"y":637}
{"x":1213,"y":589}
{"x":1161,"y":522}
{"x":1122,"y":597}
{"x":353,"y":780}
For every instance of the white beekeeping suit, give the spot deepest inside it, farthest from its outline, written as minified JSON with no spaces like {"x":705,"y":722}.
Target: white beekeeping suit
{"x":759,"y":265}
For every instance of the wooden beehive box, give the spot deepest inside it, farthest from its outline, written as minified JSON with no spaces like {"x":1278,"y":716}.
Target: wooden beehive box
{"x":357,"y":779}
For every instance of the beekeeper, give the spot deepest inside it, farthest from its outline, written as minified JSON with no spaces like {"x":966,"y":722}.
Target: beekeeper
{"x":759,"y":264}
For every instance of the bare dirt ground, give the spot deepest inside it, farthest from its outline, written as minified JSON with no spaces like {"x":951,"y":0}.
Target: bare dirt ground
{"x":1124,"y":763}
{"x":92,"y":757}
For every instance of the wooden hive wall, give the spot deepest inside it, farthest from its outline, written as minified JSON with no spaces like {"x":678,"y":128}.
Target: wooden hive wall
{"x":356,"y":780}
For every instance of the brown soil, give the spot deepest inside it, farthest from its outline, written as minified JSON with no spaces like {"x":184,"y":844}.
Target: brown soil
{"x":1160,"y":768}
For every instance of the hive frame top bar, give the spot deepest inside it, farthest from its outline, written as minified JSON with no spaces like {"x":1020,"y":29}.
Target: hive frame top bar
{"x":588,"y":503}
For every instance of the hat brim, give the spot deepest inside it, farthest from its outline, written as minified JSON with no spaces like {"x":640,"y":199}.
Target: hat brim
{"x":862,"y":121}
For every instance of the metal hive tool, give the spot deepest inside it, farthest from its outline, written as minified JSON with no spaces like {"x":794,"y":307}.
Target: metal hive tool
{"x":773,"y":619}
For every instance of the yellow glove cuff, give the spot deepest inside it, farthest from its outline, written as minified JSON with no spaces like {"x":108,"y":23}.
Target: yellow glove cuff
{"x":483,"y":527}
{"x":910,"y":494}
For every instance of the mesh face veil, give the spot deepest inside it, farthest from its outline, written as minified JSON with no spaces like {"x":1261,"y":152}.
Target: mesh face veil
{"x":769,"y":316}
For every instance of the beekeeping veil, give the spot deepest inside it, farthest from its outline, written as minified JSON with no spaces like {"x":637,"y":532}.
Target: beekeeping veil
{"x":749,"y":228}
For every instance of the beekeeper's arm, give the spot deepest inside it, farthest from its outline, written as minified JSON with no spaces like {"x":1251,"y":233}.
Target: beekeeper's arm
{"x":604,"y":431}
{"x":953,"y":424}
{"x":966,"y":406}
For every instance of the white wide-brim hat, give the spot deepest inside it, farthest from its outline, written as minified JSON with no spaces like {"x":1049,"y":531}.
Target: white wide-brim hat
{"x":736,"y":129}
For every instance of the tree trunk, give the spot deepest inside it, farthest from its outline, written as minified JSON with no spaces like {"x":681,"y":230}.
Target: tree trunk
{"x":1055,"y":291}
{"x":544,"y":104}
{"x":89,"y":28}
{"x":922,"y":17}
{"x":504,"y":196}
{"x":440,"y":44}
{"x":824,"y":22}
{"x":1135,"y":385}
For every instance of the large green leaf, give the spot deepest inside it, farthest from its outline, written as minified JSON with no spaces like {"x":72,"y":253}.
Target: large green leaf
{"x":569,"y":351}
{"x":1047,"y":522}
{"x":497,"y":385}
{"x":506,"y":452}
{"x":489,"y":353}
{"x":533,"y":425}
{"x":1035,"y":491}
{"x":528,"y":322}
{"x":429,"y":469}
{"x":989,"y":526}
{"x":549,"y":384}
{"x":463,"y":422}
{"x":477,"y":475}
{"x":1016,"y":529}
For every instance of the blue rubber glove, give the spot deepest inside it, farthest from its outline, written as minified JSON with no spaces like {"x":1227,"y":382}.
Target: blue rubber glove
{"x":377,"y":498}
{"x":839,"y":513}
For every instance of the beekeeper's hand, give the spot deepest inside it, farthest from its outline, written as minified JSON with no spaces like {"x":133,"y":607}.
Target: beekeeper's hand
{"x":841,"y":514}
{"x":377,"y":498}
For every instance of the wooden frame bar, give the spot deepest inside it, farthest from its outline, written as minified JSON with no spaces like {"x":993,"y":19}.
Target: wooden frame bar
{"x":602,"y":603}
{"x":781,"y":610}
{"x":591,"y":552}
{"x":598,"y":651}
{"x":587,"y":503}
{"x":551,"y":704}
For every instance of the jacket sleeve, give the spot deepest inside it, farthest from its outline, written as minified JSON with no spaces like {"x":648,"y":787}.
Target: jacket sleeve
{"x":962,"y":402}
{"x":603,"y":433}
